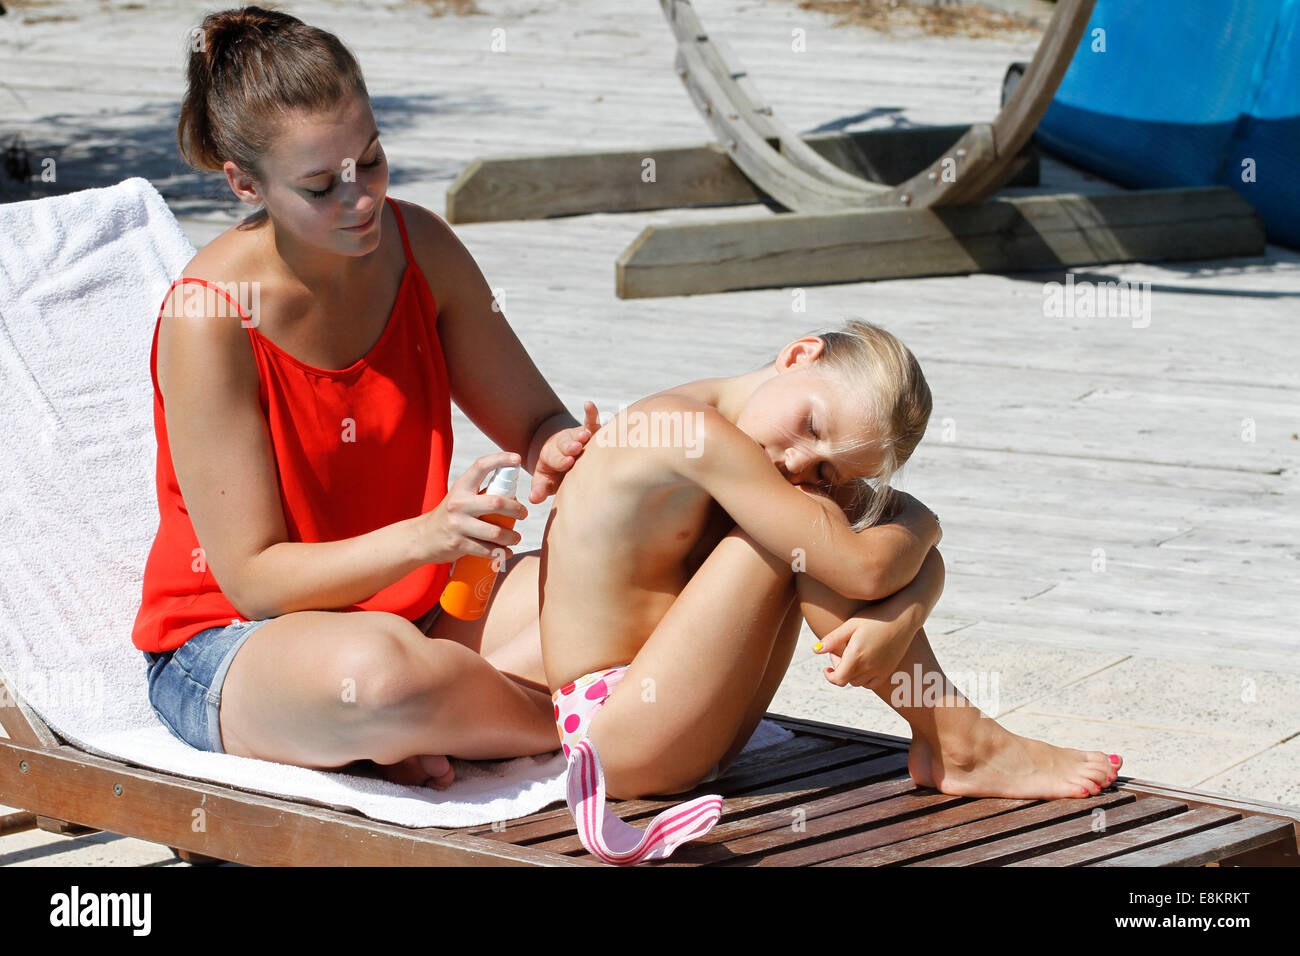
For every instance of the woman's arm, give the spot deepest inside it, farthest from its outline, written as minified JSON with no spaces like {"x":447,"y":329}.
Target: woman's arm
{"x":209,"y":384}
{"x":493,"y":380}
{"x":809,"y":530}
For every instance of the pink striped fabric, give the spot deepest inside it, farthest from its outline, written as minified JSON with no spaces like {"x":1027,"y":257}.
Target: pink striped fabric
{"x":611,"y":840}
{"x":605,"y":836}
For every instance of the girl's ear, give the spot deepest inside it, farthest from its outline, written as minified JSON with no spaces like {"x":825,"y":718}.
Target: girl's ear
{"x":801,"y":351}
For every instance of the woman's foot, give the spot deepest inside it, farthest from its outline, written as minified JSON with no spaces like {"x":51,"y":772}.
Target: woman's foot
{"x":984,"y":759}
{"x":422,"y":770}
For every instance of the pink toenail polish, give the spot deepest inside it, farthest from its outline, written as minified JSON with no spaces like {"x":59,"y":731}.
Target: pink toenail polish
{"x":1114,"y":758}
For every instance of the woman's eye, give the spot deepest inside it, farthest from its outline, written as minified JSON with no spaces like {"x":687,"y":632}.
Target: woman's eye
{"x":318,"y":193}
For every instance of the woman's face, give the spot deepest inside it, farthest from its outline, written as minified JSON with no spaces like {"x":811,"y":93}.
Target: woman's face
{"x":326,"y":173}
{"x":813,"y":431}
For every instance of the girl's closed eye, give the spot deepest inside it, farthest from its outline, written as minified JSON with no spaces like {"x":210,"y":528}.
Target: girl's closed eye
{"x":821,"y":468}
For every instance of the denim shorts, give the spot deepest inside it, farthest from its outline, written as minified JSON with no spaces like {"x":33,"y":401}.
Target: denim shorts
{"x":185,"y":683}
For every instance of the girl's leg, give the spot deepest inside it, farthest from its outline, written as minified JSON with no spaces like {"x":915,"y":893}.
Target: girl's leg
{"x":696,"y":685}
{"x":322,"y":689}
{"x":507,"y":634}
{"x":959,"y":750}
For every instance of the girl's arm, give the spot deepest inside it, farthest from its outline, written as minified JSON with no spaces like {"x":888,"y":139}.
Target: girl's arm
{"x":809,"y":530}
{"x":493,"y":380}
{"x":866,"y":641}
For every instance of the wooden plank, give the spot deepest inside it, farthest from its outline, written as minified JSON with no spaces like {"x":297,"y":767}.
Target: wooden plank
{"x":17,"y":823}
{"x":254,"y":829}
{"x":565,"y":184}
{"x":1124,"y":813}
{"x":1208,"y":846}
{"x":748,"y":793}
{"x":62,"y":827}
{"x":559,"y":822}
{"x":918,"y":807}
{"x":1030,"y":816}
{"x":1007,"y":235}
{"x":20,"y":723}
{"x":1113,"y":844}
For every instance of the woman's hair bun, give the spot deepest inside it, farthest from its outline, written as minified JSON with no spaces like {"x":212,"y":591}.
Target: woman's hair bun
{"x":248,"y":65}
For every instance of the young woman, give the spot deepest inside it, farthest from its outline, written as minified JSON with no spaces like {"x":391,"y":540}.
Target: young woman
{"x":303,"y":367}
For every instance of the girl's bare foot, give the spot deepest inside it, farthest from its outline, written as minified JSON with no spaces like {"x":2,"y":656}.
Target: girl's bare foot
{"x":986,"y":760}
{"x":422,"y":770}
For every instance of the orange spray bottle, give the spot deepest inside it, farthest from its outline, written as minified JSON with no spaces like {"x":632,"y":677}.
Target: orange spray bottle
{"x":473,"y":577}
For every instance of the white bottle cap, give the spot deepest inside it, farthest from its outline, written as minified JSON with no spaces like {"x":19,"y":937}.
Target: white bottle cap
{"x":504,"y":481}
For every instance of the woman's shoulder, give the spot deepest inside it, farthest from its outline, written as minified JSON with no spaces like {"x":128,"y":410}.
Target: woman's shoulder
{"x":446,"y":264}
{"x":204,"y":320}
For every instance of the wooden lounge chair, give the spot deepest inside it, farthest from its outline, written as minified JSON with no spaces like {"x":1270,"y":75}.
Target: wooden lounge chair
{"x":846,"y":221}
{"x":830,"y":796}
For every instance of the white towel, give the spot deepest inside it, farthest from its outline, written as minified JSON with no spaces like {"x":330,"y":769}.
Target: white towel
{"x":82,"y":277}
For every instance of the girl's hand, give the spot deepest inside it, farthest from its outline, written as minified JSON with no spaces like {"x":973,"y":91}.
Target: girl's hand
{"x":559,"y":454}
{"x":455,"y":526}
{"x":865,"y":649}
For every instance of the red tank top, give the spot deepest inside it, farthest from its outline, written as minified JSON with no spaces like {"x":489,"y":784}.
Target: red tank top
{"x":355,"y":449}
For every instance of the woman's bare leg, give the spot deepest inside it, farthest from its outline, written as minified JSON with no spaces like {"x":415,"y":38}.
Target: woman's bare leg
{"x":696,"y":685}
{"x":322,"y":689}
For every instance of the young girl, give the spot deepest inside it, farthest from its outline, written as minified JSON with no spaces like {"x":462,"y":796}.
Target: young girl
{"x":289,"y":606}
{"x":666,"y":630}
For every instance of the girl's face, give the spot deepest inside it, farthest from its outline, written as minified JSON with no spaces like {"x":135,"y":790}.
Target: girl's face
{"x":325,"y":178}
{"x":811,"y":428}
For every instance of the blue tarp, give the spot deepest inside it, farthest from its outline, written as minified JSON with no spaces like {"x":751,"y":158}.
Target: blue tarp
{"x":1188,"y":93}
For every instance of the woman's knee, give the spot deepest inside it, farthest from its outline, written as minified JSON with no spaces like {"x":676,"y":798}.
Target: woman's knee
{"x":387,"y":665}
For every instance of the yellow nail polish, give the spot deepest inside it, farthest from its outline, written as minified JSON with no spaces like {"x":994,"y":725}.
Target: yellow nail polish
{"x":817,"y":646}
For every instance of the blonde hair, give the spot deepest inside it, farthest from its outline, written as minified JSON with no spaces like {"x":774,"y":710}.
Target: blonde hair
{"x":880,"y":369}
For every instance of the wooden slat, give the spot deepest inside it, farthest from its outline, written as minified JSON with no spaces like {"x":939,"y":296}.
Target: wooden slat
{"x":559,"y":822}
{"x":21,"y":724}
{"x":1006,"y":235}
{"x":786,"y":823}
{"x":1030,"y":816}
{"x":1121,"y":814}
{"x":854,"y":833}
{"x":1113,"y":844}
{"x":62,"y":827}
{"x":751,"y":792}
{"x":1208,"y":846}
{"x":16,"y":823}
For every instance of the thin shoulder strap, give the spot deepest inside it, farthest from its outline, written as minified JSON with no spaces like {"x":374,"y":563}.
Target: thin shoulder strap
{"x":401,"y":227}
{"x":204,"y":282}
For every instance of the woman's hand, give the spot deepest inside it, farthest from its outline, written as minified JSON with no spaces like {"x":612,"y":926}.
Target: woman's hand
{"x":455,"y":526}
{"x":559,"y":454}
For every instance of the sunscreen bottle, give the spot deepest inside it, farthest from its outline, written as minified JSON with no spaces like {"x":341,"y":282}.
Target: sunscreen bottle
{"x":473,"y":577}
